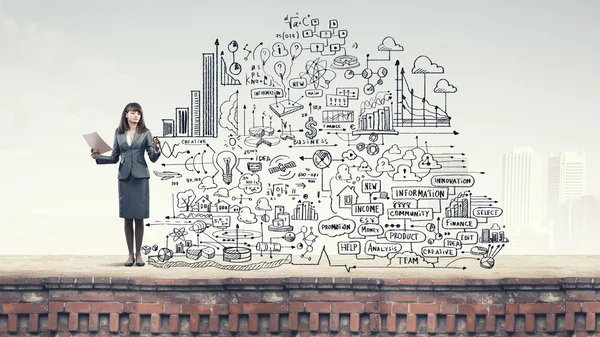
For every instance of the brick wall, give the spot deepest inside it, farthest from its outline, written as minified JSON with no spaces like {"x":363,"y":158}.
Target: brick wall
{"x":299,"y":306}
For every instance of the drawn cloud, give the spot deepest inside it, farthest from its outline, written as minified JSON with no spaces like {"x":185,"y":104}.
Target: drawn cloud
{"x":409,"y":155}
{"x":250,"y":183}
{"x":495,"y":227}
{"x":349,"y":154}
{"x":343,"y":173}
{"x":428,"y":162}
{"x":364,"y":167}
{"x":394,"y":149}
{"x":207,"y":183}
{"x":423,"y":65}
{"x":262,"y":204}
{"x":389,"y":44}
{"x":444,"y":87}
{"x":228,"y":113}
{"x":222,"y":192}
{"x":279,"y":50}
{"x":383,"y":165}
{"x":246,"y":215}
{"x":393,"y":153}
{"x":404,"y":173}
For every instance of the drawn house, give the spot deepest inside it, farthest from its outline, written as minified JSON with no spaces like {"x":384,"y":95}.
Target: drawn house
{"x":347,"y":197}
{"x":221,"y":207}
{"x":204,"y":204}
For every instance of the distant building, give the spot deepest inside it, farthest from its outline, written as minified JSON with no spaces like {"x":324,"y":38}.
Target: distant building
{"x":522,"y":190}
{"x":566,"y":179}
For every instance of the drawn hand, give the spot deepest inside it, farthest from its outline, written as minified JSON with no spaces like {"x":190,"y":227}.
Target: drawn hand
{"x":156,"y":143}
{"x":95,"y":154}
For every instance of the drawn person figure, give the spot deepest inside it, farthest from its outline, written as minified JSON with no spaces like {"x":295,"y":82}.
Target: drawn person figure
{"x":131,"y":139}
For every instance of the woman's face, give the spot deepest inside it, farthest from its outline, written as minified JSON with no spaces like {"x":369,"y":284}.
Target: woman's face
{"x":133,"y":116}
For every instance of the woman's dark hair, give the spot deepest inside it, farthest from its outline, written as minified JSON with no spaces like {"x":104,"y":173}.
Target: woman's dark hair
{"x":124,"y":125}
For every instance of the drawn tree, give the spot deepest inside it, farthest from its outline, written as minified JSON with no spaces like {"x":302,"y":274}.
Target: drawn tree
{"x":186,"y":199}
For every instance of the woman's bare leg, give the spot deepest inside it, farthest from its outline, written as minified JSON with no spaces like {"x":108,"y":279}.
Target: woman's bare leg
{"x":139,"y":235}
{"x":129,"y":238}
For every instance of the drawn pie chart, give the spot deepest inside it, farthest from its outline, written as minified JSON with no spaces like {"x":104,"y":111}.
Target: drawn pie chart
{"x":322,"y":159}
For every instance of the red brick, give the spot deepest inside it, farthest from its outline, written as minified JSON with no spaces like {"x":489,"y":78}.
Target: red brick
{"x":65,"y":295}
{"x":144,"y":308}
{"x":257,"y":308}
{"x":354,"y":322}
{"x":401,"y":297}
{"x":17,"y":308}
{"x":174,"y":298}
{"x":13,"y":321}
{"x":591,"y":307}
{"x":368,"y":296}
{"x":127,"y":297}
{"x":107,"y":307}
{"x":77,"y":307}
{"x":497,"y":309}
{"x":471,"y":323}
{"x":490,"y":323}
{"x":235,"y":308}
{"x":93,"y":323}
{"x":550,"y":323}
{"x":318,"y":307}
{"x":375,"y":322}
{"x":253,"y":322}
{"x":558,"y":308}
{"x":450,"y":324}
{"x":400,"y":308}
{"x":454,"y":298}
{"x":296,"y":306}
{"x":280,"y":308}
{"x":134,"y":322}
{"x":202,"y":309}
{"x":9,"y":297}
{"x":154,"y":323}
{"x":417,"y":309}
{"x":217,"y":309}
{"x":113,"y":322}
{"x":512,"y":308}
{"x":232,"y":323}
{"x":293,"y":321}
{"x":425,"y":298}
{"x":448,"y":309}
{"x":194,"y":323}
{"x":313,"y":322}
{"x":473,"y":309}
{"x":509,"y":323}
{"x":340,"y":307}
{"x":172,"y":309}
{"x":582,"y":295}
{"x":274,"y":323}
{"x":305,"y":295}
{"x":174,"y":323}
{"x":590,"y":321}
{"x":385,"y":308}
{"x":411,"y":323}
{"x":334,"y":322}
{"x":52,"y":321}
{"x":570,"y":321}
{"x":573,"y":307}
{"x":101,"y":296}
{"x":40,"y":308}
{"x":338,"y":296}
{"x":213,"y":323}
{"x":56,"y":306}
{"x":33,"y":322}
{"x":538,"y":308}
{"x":390,"y":323}
{"x":73,"y":322}
{"x":431,"y":323}
{"x":529,"y":322}
{"x":148,"y":298}
{"x":371,"y":307}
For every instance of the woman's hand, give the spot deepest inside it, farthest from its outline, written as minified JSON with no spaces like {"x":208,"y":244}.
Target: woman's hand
{"x":156,"y":144}
{"x":95,"y":154}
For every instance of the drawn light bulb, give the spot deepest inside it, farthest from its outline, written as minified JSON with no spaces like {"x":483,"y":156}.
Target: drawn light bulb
{"x":227,"y":162}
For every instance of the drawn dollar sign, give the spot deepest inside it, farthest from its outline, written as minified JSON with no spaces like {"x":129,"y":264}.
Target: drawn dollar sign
{"x":310,"y":126}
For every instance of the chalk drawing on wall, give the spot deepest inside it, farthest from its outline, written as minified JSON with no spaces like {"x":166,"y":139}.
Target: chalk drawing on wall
{"x":297,"y":150}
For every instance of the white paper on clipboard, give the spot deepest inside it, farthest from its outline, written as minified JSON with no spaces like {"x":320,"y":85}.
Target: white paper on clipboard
{"x":96,"y":142}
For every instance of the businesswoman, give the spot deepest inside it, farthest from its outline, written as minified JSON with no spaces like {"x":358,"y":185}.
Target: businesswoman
{"x":131,"y":139}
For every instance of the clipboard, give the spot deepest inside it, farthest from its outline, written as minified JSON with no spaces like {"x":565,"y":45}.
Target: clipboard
{"x":96,"y":142}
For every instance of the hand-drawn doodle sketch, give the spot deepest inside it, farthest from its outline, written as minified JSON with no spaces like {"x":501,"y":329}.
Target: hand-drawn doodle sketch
{"x":313,"y":153}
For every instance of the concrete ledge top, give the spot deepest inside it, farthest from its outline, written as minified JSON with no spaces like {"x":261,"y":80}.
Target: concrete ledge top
{"x":102,"y":266}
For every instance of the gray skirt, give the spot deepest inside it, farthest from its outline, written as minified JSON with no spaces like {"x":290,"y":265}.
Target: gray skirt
{"x":134,"y":198}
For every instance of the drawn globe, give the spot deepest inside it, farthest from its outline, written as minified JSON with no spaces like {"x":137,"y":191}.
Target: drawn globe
{"x":322,"y":159}
{"x":165,"y":254}
{"x":487,"y":262}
